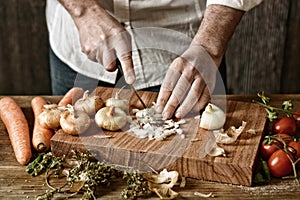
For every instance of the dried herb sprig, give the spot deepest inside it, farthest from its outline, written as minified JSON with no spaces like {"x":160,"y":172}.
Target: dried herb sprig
{"x":83,"y":174}
{"x":136,"y":185}
{"x":43,"y":162}
{"x":89,"y":174}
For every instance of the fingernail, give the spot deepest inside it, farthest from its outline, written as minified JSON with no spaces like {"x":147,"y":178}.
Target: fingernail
{"x":159,"y":108}
{"x":166,"y":115}
{"x":178,"y":114}
{"x":130,"y":79}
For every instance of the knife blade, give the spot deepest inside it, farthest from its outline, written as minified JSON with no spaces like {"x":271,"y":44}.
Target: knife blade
{"x":130,"y":85}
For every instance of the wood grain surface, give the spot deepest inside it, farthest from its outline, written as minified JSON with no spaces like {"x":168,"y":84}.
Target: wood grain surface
{"x":16,"y":184}
{"x":175,"y":153}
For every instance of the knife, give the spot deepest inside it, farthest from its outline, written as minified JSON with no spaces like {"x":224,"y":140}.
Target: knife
{"x":130,"y":85}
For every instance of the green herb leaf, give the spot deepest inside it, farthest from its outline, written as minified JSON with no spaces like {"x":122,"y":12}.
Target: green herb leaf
{"x":287,"y":105}
{"x":264,"y":99}
{"x":272,"y":115}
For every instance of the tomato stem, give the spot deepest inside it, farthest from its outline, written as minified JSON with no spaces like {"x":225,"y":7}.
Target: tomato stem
{"x":273,"y":111}
{"x":295,"y":175}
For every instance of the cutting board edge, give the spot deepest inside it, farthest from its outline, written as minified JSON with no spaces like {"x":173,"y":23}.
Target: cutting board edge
{"x":180,"y":164}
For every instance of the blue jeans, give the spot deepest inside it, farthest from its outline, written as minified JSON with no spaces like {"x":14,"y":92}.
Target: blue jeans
{"x":64,"y":78}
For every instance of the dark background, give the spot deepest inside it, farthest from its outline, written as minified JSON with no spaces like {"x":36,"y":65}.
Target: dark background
{"x":262,"y":55}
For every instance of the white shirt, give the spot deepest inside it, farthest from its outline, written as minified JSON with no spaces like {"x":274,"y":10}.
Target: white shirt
{"x":161,"y":30}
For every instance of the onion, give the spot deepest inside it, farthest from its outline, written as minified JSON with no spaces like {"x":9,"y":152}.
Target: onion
{"x":111,"y":118}
{"x":74,"y":122}
{"x":117,"y":103}
{"x":163,"y":183}
{"x":150,"y":124}
{"x":50,"y":116}
{"x":89,"y":103}
{"x":212,"y":118}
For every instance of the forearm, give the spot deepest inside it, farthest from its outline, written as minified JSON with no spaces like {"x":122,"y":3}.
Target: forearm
{"x":102,"y":37}
{"x":78,"y":8}
{"x":88,"y":12}
{"x":216,"y":29}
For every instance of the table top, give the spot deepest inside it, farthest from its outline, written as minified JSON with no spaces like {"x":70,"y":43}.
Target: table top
{"x":15,"y":183}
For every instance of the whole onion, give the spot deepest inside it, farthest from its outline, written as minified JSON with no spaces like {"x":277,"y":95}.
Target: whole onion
{"x":89,"y":103}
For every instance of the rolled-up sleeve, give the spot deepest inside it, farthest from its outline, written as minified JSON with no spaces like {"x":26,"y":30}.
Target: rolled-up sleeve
{"x":244,"y":5}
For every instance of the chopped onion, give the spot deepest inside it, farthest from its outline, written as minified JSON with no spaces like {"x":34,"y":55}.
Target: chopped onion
{"x":149,"y":124}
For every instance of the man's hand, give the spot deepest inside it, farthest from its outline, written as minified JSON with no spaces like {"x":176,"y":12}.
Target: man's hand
{"x":103,"y":39}
{"x":191,"y":77}
{"x":188,"y":83}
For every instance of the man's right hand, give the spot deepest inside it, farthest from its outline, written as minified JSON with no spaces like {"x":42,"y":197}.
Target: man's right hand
{"x":103,"y":39}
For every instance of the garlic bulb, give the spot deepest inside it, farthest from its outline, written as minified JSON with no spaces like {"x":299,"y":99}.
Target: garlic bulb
{"x":212,"y":118}
{"x":89,"y":103}
{"x":111,"y":118}
{"x":74,"y":122}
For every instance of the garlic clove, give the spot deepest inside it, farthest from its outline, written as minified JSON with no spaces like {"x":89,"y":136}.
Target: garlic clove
{"x":212,"y":118}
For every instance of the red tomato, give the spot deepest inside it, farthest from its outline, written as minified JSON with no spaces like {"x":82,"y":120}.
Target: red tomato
{"x":269,"y":146}
{"x":285,"y":125}
{"x":296,"y":146}
{"x":267,"y":149}
{"x":279,"y":164}
{"x":296,"y":116}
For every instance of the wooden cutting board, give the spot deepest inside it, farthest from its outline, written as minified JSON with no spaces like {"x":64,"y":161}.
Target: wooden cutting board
{"x":175,"y":153}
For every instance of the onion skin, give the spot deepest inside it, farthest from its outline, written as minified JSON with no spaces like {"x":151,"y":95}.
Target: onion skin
{"x":118,"y":103}
{"x":49,"y":117}
{"x":111,"y":118}
{"x":89,"y":103}
{"x":74,"y":123}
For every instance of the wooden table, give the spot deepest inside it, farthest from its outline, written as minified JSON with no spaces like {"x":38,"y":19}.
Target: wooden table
{"x":15,"y":183}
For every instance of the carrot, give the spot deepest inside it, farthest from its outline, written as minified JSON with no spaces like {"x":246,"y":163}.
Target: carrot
{"x":40,"y":135}
{"x":17,"y":128}
{"x":71,"y":96}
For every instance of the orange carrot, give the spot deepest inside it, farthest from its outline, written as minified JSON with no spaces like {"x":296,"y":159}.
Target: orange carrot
{"x":40,"y":135}
{"x":17,"y":128}
{"x":71,"y":96}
